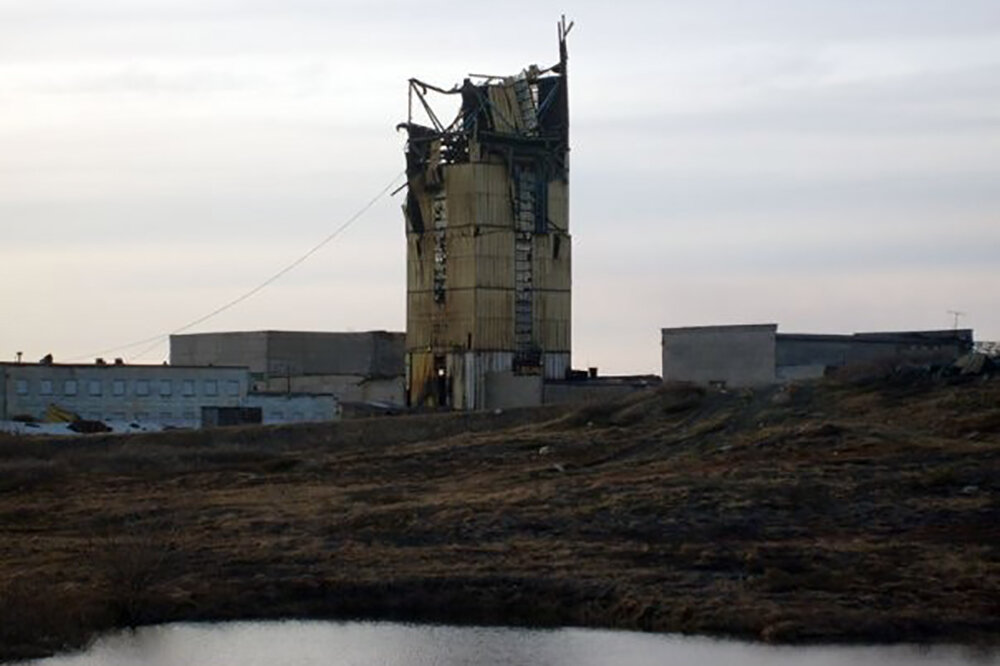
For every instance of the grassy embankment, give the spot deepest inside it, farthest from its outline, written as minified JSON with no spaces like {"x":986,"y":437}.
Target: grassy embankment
{"x":864,"y":511}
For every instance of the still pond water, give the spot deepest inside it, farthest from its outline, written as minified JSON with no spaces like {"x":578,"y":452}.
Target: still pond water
{"x":388,"y":644}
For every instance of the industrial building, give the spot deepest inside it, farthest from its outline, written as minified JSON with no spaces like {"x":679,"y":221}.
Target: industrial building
{"x":488,"y":242}
{"x":757,"y":355}
{"x":150,"y":395}
{"x":354,"y":366}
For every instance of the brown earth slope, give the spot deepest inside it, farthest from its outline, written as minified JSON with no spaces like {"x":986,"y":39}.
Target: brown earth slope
{"x":834,"y":511}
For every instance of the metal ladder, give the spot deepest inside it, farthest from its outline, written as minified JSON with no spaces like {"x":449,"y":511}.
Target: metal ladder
{"x":524,"y":227}
{"x":526,"y":105}
{"x":440,"y":208}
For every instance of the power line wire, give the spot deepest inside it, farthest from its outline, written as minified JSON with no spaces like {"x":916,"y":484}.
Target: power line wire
{"x":163,"y":337}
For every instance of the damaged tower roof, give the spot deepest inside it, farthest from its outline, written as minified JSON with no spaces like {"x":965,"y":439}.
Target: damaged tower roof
{"x":525,"y":115}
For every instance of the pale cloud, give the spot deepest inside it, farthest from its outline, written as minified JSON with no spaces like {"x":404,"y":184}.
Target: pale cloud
{"x":827,"y":165}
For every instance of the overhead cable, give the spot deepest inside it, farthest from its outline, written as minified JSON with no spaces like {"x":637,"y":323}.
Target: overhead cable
{"x":157,"y":340}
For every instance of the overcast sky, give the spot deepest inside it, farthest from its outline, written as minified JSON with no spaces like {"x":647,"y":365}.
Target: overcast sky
{"x":830,"y":165}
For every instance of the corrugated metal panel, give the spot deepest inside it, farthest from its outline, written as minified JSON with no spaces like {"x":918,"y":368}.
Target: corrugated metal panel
{"x":556,"y":365}
{"x":456,"y":373}
{"x":552,"y":313}
{"x":559,"y":204}
{"x":504,"y":109}
{"x":495,"y":258}
{"x":493,"y":196}
{"x":460,"y":190}
{"x":494,"y":320}
{"x":483,"y":364}
{"x":492,"y":179}
{"x":439,"y":325}
{"x":478,"y":194}
{"x":461,"y":250}
{"x":421,"y":376}
{"x":466,"y":373}
{"x":469,"y":384}
{"x":552,"y":261}
{"x":419,"y":262}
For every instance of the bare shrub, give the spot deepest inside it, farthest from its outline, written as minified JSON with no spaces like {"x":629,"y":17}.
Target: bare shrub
{"x":134,"y":567}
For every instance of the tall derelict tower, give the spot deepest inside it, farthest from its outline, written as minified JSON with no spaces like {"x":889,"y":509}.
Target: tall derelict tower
{"x":488,"y":244}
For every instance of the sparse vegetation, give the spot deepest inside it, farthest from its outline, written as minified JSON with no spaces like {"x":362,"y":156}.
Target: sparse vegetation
{"x":843,"y":510}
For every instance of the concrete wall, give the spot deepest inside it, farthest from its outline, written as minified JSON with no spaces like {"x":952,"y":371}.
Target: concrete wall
{"x":294,"y":408}
{"x":370,"y":354}
{"x":272,"y":354}
{"x":506,"y":390}
{"x":247,"y":349}
{"x":169,"y":395}
{"x":594,"y":389}
{"x":792,"y":373}
{"x":737,"y":356}
{"x":795,"y":349}
{"x":347,"y":388}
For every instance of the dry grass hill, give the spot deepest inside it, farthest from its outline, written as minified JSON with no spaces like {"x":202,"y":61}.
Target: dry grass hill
{"x":850,"y":510}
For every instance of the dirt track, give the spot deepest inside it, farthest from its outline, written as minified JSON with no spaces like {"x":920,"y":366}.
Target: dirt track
{"x":834,"y":512}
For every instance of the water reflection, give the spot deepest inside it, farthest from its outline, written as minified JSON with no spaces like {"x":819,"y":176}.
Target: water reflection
{"x":388,"y":644}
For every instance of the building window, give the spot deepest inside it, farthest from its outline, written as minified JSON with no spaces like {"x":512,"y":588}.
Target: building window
{"x":69,"y":387}
{"x":211,"y":387}
{"x":232,"y":387}
{"x":45,"y":387}
{"x":118,"y":387}
{"x":166,"y":417}
{"x":95,"y":387}
{"x":188,"y":387}
{"x":142,"y":387}
{"x":118,"y":416}
{"x":21,"y":386}
{"x":189,"y":416}
{"x":166,"y":387}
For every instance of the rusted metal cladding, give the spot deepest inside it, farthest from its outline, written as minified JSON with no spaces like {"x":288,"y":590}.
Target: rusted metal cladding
{"x":419,"y":262}
{"x":419,"y":378}
{"x":552,"y":320}
{"x":461,"y":256}
{"x":488,"y":244}
{"x":465,"y":376}
{"x":478,"y":194}
{"x":441,"y":326}
{"x":559,"y":204}
{"x":552,"y":261}
{"x":557,"y":365}
{"x":494,"y":320}
{"x":495,"y":258}
{"x":461,"y":268}
{"x":476,"y":366}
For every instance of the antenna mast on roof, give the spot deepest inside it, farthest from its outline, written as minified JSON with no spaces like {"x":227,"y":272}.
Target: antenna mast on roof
{"x":956,"y":314}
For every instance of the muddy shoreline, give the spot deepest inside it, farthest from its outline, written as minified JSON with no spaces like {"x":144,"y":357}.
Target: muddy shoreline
{"x":864,"y":511}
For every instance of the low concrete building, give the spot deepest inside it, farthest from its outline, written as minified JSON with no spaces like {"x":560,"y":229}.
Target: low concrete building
{"x":355,"y":367}
{"x":742,"y":355}
{"x":163,"y":394}
{"x":802,"y":355}
{"x":757,"y":355}
{"x":160,"y":395}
